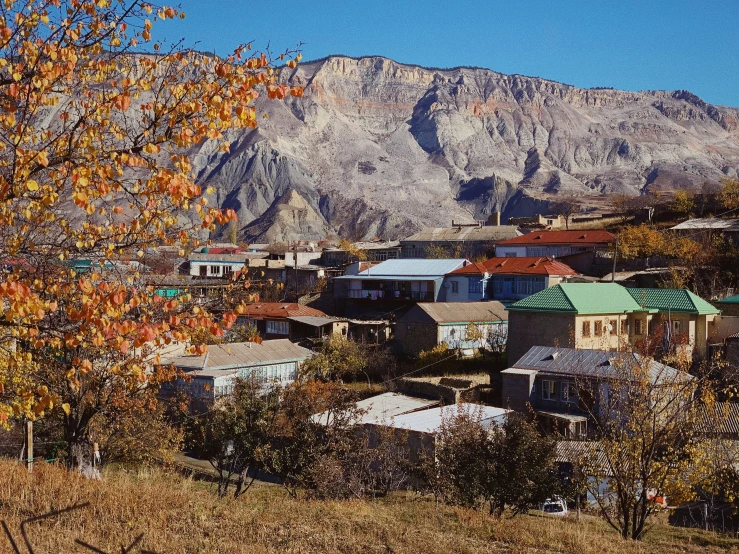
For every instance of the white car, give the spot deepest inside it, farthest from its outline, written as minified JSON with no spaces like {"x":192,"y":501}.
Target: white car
{"x":555,"y":507}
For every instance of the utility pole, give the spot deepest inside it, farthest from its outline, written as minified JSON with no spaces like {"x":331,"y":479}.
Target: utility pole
{"x":615,"y":255}
{"x":29,"y":446}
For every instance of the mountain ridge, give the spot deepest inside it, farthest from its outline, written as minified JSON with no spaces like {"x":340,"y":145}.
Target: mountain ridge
{"x":381,"y":148}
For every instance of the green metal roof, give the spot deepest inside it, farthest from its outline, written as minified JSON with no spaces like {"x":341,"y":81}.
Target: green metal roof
{"x":579,"y":298}
{"x":612,"y":298}
{"x":730,"y":300}
{"x":672,"y":300}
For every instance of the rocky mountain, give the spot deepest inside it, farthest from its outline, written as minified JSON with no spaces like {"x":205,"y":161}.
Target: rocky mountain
{"x":376,"y":148}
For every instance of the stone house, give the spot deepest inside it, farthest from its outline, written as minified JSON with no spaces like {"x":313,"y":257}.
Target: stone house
{"x":607,"y":316}
{"x":469,"y":241}
{"x":427,"y":325}
{"x":567,"y":386}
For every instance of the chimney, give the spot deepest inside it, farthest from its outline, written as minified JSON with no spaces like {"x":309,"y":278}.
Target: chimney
{"x":494,"y":219}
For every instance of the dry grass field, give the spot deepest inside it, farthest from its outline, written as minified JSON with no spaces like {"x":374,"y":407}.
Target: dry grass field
{"x":179,"y":515}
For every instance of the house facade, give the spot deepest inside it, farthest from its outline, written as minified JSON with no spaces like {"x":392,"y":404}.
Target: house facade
{"x":391,"y":285}
{"x":505,"y":279}
{"x":427,"y":325}
{"x":607,"y":316}
{"x":566,"y":386}
{"x":373,"y":251}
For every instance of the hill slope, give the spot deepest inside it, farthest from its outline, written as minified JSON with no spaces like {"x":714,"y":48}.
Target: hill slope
{"x":178,"y":515}
{"x":379,"y":148}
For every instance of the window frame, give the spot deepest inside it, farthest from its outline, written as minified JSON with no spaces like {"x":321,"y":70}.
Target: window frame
{"x":597,"y":328}
{"x":585,"y":330}
{"x":548,"y":390}
{"x":568,"y":392}
{"x":455,"y":287}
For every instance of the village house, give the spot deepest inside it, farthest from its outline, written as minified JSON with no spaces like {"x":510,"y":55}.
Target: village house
{"x":314,"y":329}
{"x":213,"y":374}
{"x":392,"y":285}
{"x":589,"y":252}
{"x":607,"y":316}
{"x":708,"y":227}
{"x":219,"y":261}
{"x":273,"y":319}
{"x":469,"y":241}
{"x":426,"y":325}
{"x":505,"y":279}
{"x":729,"y":306}
{"x":567,"y":386}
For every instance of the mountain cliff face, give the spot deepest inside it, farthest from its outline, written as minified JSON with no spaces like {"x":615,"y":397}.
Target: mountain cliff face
{"x":378,"y":148}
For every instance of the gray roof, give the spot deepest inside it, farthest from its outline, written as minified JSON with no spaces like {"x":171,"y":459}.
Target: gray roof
{"x":223,"y":357}
{"x":705,"y":223}
{"x":456,"y":312}
{"x":578,"y":452}
{"x":464,"y":234}
{"x":591,"y":363}
{"x":419,"y":268}
{"x":314,"y":321}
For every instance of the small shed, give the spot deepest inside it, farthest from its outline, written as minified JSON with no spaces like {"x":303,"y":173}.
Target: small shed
{"x":316,"y":327}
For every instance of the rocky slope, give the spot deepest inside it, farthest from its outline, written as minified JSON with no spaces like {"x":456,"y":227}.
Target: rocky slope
{"x":378,"y":148}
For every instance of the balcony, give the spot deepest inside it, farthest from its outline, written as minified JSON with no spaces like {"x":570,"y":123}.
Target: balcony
{"x":416,"y":296}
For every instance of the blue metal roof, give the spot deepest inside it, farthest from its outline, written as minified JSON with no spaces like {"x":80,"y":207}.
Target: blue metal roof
{"x":411,"y":267}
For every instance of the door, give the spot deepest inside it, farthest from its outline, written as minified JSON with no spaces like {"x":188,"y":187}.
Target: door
{"x":507,"y":287}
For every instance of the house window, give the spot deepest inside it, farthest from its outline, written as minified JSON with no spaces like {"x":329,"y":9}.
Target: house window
{"x":277,"y":327}
{"x":585,"y":328}
{"x":598,"y":329}
{"x":475,"y":285}
{"x":625,"y":327}
{"x":568,"y":393}
{"x":455,"y":287}
{"x":613,"y":325}
{"x":548,"y":390}
{"x":676,"y":326}
{"x":638,"y":326}
{"x":214,"y":270}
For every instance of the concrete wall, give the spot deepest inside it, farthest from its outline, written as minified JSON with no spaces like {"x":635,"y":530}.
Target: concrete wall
{"x":517,"y":389}
{"x":527,"y":329}
{"x":723,"y":326}
{"x":414,"y":337}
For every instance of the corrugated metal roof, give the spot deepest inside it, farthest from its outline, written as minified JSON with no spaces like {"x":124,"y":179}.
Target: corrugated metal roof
{"x":453,"y":312}
{"x":721,"y":419}
{"x":464,"y":234}
{"x":562,"y":237}
{"x":221,"y":357}
{"x":429,"y":421}
{"x":580,"y":452}
{"x":527,"y":266}
{"x":592,"y":363}
{"x":708,"y":223}
{"x":314,"y":321}
{"x":413,"y":268}
{"x":580,"y":298}
{"x":674,"y":300}
{"x":384,"y":407}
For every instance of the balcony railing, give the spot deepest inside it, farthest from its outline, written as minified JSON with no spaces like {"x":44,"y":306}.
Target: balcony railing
{"x":392,"y":295}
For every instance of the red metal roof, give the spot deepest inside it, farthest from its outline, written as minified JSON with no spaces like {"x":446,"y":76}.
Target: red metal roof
{"x":279,"y":310}
{"x":517,"y":266}
{"x":590,"y":238}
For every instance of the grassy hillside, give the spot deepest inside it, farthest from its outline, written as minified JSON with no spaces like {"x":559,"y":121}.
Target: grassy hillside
{"x":180,"y":515}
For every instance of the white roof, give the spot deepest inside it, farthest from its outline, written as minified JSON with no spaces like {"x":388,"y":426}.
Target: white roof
{"x":412,"y":267}
{"x":709,"y":223}
{"x":429,"y":421}
{"x":383,"y":407}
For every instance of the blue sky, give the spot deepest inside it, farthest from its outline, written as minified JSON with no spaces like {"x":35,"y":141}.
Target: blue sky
{"x":631,"y":44}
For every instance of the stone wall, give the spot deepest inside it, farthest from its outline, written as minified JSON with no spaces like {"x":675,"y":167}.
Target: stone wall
{"x":527,"y":329}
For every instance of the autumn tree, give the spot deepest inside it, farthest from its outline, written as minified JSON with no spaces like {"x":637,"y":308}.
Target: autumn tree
{"x":683,"y":202}
{"x":729,"y":195}
{"x":648,"y":441}
{"x":92,"y":166}
{"x":353,"y":253}
{"x":234,"y":435}
{"x":565,"y":207}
